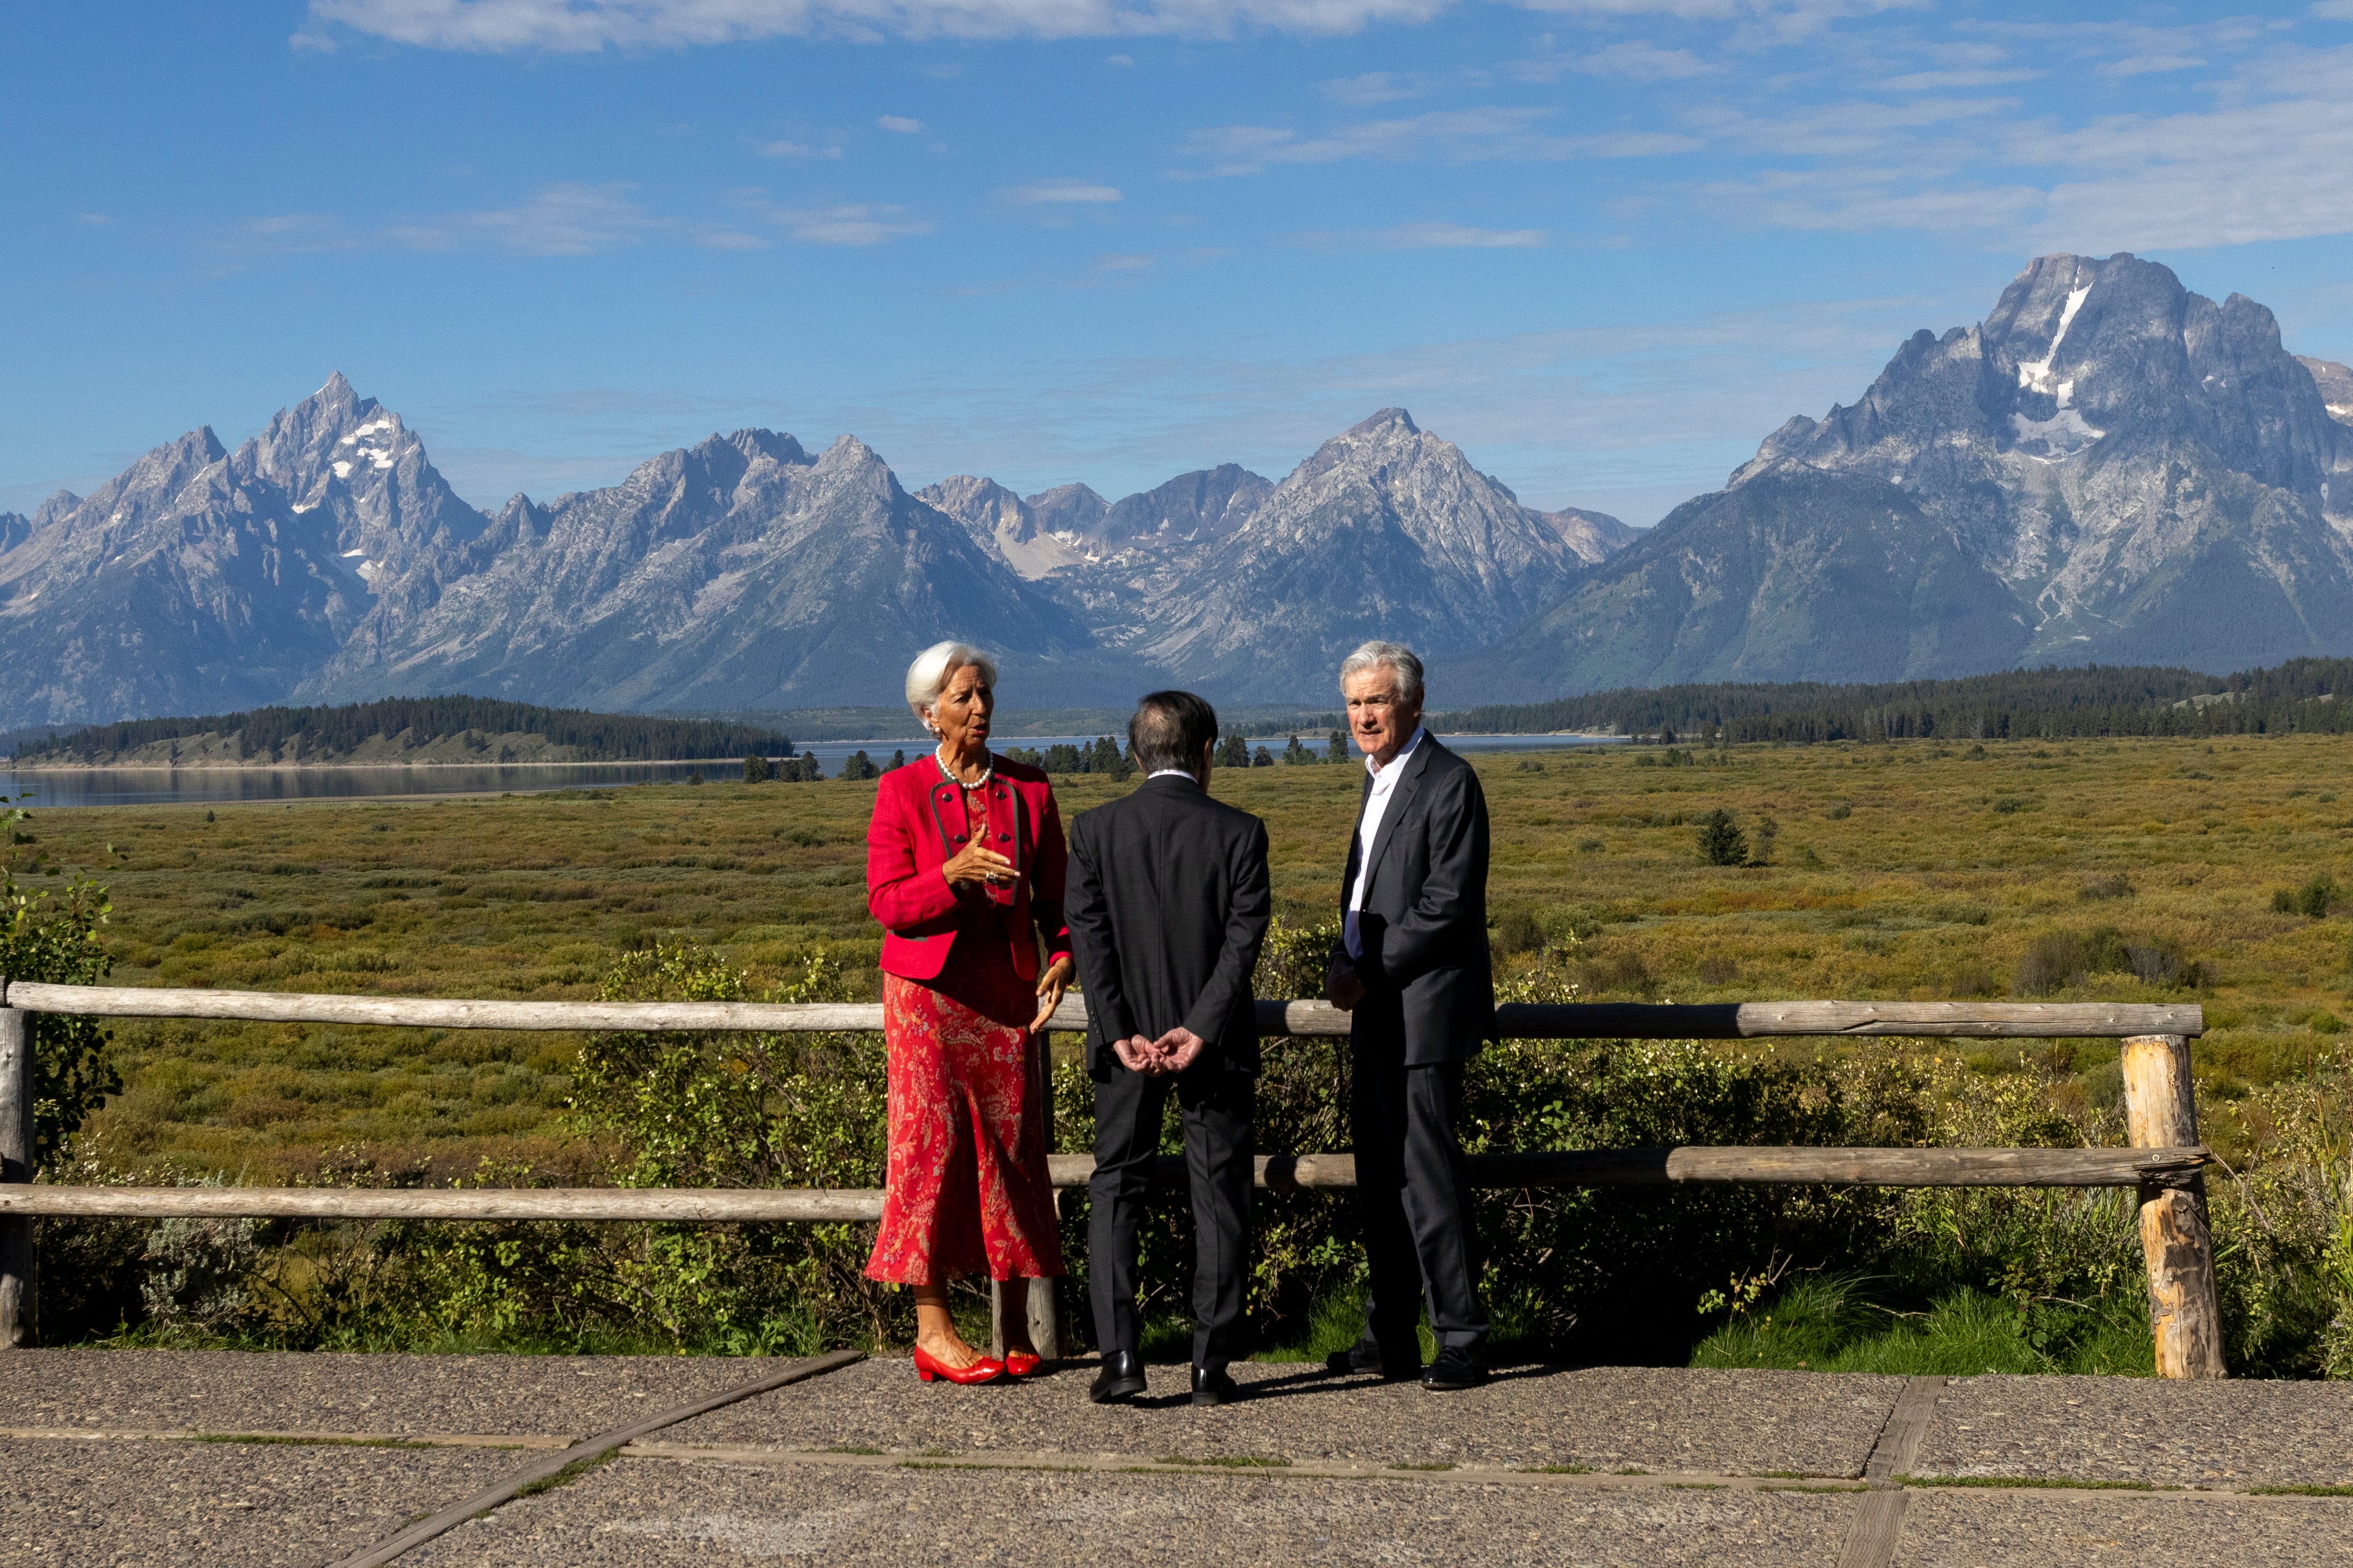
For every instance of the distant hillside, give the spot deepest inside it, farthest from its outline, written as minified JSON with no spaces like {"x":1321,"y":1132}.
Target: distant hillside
{"x":2049,"y":703}
{"x":424,"y":729}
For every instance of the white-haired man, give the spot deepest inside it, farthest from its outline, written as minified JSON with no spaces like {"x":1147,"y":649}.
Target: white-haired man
{"x":1412,"y":964}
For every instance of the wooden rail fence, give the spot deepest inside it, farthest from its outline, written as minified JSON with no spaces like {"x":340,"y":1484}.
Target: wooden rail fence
{"x":2164,"y":1164}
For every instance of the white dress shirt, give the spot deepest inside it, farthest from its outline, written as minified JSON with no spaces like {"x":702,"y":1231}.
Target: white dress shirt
{"x":1377,"y":805}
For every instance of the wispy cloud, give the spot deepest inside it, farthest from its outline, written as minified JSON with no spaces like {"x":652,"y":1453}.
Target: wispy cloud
{"x":1061,"y":193}
{"x":1375,"y":87}
{"x":796,"y":149}
{"x":2271,"y":158}
{"x":900,"y":125}
{"x":581,"y":27}
{"x":556,"y":220}
{"x":849,"y":223}
{"x":1636,"y":60}
{"x":1459,"y":135}
{"x":1430,"y":237}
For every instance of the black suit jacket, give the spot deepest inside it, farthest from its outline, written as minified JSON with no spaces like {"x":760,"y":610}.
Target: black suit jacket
{"x":1167,"y":905}
{"x":1425,"y":967}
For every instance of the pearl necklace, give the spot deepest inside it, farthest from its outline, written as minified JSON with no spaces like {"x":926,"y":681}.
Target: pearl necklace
{"x":950,"y":773}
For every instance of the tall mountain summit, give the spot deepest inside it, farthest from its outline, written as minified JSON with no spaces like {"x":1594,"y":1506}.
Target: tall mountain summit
{"x":2108,"y":469}
{"x":1387,"y":531}
{"x":201,"y":579}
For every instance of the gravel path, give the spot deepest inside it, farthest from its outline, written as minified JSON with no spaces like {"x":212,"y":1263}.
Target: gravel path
{"x":229,"y":1391}
{"x":2062,"y":1529}
{"x":97,"y":1504}
{"x":2231,"y":1432}
{"x":1749,"y":1423}
{"x":641,"y":1513}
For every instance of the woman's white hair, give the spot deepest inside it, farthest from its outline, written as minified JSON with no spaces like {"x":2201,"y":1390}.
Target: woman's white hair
{"x":936,"y":667}
{"x":1397,"y":655}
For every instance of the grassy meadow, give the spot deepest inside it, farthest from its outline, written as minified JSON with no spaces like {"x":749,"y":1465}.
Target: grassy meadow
{"x":1909,"y":870}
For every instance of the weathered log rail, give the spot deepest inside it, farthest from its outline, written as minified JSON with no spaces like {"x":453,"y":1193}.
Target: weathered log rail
{"x":2164,"y":1165}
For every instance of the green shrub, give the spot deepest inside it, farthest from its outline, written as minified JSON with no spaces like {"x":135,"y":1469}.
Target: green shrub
{"x":2312,"y":900}
{"x":57,"y":942}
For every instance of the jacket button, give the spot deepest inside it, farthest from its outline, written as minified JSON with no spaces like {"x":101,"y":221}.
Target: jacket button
{"x":959,"y":837}
{"x":1005,"y":838}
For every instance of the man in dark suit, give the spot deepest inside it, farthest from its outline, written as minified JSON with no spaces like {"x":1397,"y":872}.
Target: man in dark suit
{"x":1168,"y":904}
{"x":1412,"y":964}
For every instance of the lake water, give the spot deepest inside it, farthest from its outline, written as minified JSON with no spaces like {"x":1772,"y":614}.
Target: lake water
{"x":53,"y":787}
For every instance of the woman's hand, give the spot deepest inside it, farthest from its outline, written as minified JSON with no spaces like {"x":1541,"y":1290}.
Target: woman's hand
{"x":977,"y":864}
{"x":1050,"y":986}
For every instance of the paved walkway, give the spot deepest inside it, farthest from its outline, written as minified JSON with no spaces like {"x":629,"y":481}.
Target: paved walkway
{"x":140,"y":1458}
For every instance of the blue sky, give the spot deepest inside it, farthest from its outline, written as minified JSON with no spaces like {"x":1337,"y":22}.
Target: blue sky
{"x":1604,"y":244}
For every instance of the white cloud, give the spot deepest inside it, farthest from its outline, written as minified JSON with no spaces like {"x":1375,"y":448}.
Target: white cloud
{"x":2271,"y":159}
{"x":854,"y":223}
{"x":901,"y":124}
{"x":1375,"y":87}
{"x":1119,"y":59}
{"x":1954,"y":80}
{"x":1051,"y":193}
{"x":556,"y":220}
{"x":573,"y":26}
{"x":2150,"y":65}
{"x":1458,"y":136}
{"x":796,"y":149}
{"x":1433,"y":236}
{"x":1457,"y":236}
{"x":2333,"y":10}
{"x":1122,"y":263}
{"x":1634,"y":61}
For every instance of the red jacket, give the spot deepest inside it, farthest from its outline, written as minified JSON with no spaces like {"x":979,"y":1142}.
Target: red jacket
{"x":919,"y":822}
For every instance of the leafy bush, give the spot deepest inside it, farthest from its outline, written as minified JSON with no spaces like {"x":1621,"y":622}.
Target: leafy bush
{"x":2312,"y":900}
{"x":57,"y":944}
{"x":2059,"y":959}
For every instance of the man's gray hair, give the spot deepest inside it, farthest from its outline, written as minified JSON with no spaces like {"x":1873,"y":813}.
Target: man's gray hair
{"x":936,"y":666}
{"x":1397,"y":655}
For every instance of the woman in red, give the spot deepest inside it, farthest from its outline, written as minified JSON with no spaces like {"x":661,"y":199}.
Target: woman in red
{"x":963,"y":869}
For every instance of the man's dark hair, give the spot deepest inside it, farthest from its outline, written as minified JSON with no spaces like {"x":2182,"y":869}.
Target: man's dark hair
{"x":1169,"y":731}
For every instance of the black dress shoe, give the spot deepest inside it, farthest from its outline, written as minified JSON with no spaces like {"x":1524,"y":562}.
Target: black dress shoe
{"x":1122,"y":1377}
{"x":1212,"y":1386}
{"x":1365,"y":1357}
{"x":1453,"y":1370}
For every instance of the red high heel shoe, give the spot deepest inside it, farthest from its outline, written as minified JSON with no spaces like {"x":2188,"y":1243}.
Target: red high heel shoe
{"x":1022,"y":1363}
{"x":986,"y":1370}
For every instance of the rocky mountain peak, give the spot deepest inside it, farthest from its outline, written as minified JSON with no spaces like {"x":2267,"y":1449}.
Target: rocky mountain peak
{"x":1208,"y":503}
{"x":1396,"y":419}
{"x":2109,"y":467}
{"x":2334,"y":382}
{"x":1074,"y":510}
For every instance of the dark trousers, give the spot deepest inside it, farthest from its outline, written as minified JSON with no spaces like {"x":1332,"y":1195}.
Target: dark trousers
{"x":1216,"y":1107}
{"x":1414,"y":1195}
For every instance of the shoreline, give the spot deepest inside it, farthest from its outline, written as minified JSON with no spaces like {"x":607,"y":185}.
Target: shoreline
{"x":13,"y":765}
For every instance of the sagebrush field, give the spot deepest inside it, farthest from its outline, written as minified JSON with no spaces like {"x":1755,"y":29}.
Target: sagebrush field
{"x":1905,"y":870}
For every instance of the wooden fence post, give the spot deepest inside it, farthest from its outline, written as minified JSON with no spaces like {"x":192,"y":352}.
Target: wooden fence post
{"x":16,"y":1299}
{"x":2184,"y":1314}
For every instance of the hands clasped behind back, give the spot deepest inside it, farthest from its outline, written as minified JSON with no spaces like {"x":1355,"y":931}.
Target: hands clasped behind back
{"x":1172,"y":1053}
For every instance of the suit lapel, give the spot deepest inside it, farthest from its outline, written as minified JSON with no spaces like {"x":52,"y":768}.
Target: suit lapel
{"x":1406,"y":786}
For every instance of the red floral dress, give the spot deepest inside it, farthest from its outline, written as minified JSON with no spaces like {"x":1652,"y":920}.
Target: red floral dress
{"x":967,"y":1190}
